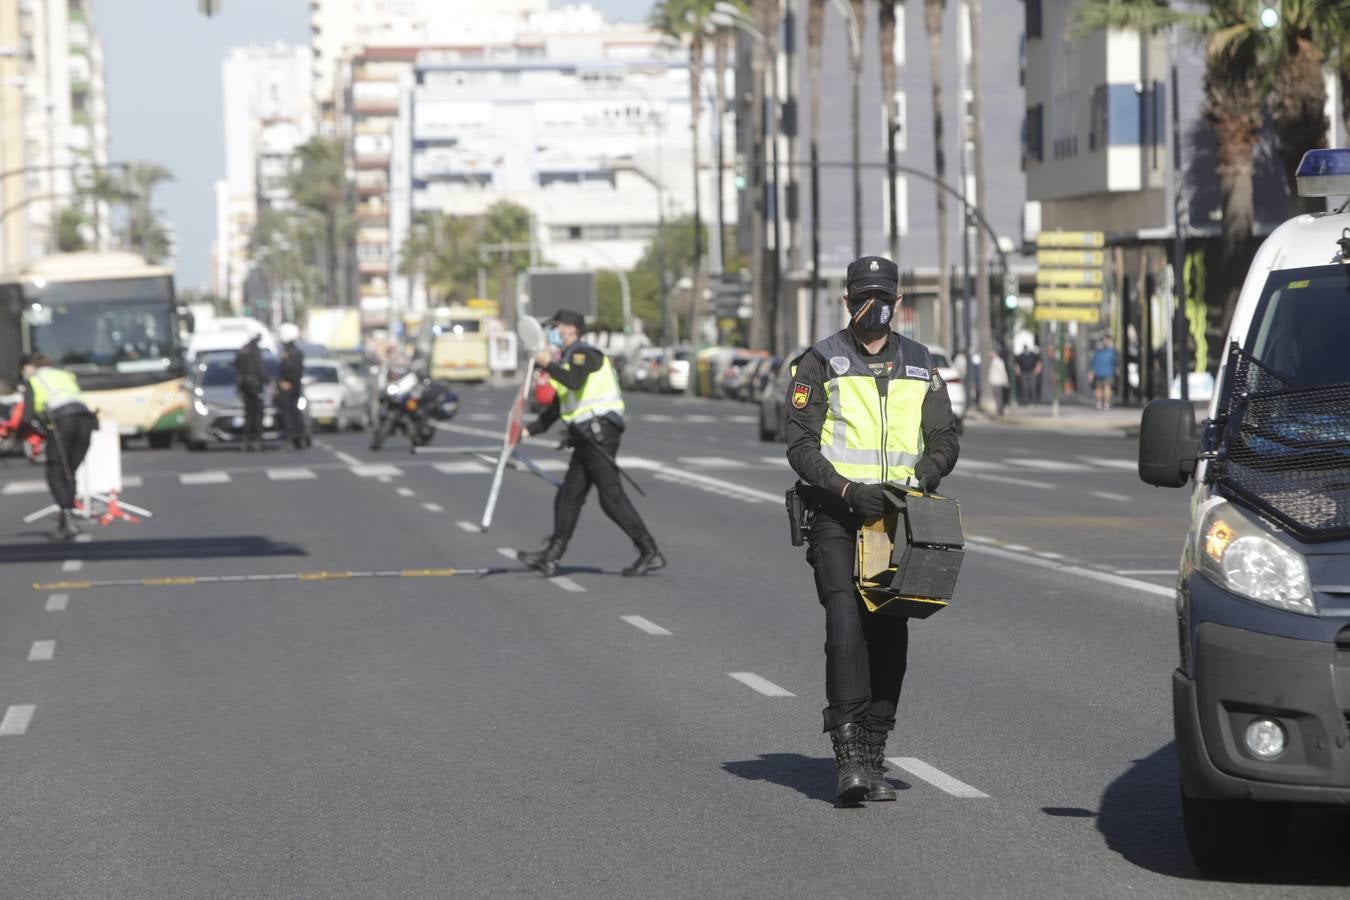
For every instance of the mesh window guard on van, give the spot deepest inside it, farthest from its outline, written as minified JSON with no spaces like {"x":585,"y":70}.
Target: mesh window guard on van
{"x":1284,"y":451}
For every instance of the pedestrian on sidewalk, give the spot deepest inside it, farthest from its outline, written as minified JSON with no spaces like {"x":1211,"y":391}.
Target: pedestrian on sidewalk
{"x":1028,"y":375}
{"x":998,"y":380}
{"x":1104,"y":371}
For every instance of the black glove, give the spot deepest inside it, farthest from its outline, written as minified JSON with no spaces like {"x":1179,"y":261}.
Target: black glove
{"x":868,"y":500}
{"x":928,"y":474}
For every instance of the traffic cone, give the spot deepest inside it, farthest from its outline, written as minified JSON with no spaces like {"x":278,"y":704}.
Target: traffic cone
{"x":115,"y":511}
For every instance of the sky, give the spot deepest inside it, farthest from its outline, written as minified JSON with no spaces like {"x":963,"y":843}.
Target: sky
{"x":166,"y":102}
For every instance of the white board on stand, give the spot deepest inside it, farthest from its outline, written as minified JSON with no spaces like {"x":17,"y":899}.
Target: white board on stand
{"x":101,"y":471}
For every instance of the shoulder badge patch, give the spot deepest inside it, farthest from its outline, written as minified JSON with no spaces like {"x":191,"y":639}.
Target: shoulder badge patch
{"x":936,"y":383}
{"x":840,"y":364}
{"x":801,"y":393}
{"x":578,"y":359}
{"x":916,"y":372}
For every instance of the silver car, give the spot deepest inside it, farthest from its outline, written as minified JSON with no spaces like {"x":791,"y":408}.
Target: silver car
{"x":215,"y":412}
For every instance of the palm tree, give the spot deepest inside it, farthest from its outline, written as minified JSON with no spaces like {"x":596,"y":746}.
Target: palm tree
{"x":144,"y":231}
{"x":933,"y":13}
{"x":886,"y":37}
{"x":815,"y":35}
{"x":320,"y":184}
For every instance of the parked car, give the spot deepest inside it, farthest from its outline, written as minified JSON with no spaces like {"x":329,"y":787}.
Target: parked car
{"x":708,"y":365}
{"x":330,"y":401}
{"x":647,"y":369}
{"x":757,"y":376}
{"x":733,"y":374}
{"x":773,"y":399}
{"x":675,"y":370}
{"x":956,"y":388}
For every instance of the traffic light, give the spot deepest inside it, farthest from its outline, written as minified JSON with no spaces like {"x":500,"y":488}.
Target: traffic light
{"x":1271,"y":14}
{"x":1010,"y":290}
{"x":209,"y":8}
{"x":740,"y":172}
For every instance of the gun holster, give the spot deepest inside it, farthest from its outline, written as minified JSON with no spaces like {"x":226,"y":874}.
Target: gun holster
{"x":799,"y":517}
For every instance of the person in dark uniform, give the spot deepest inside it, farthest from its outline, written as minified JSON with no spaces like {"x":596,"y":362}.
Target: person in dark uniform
{"x":251,"y":379}
{"x":590,"y":404}
{"x":56,"y":409}
{"x":865,"y":407}
{"x":290,"y":387}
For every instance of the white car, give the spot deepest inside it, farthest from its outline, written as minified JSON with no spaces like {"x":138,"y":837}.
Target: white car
{"x":329,"y":401}
{"x":956,"y":387}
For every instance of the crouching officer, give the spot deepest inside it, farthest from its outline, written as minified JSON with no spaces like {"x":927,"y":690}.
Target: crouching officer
{"x":57,"y":410}
{"x":591,"y":406}
{"x":865,"y":407}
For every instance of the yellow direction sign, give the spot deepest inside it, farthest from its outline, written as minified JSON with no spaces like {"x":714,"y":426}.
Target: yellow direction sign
{"x":1073,"y":295}
{"x":1071,"y":258}
{"x":1089,"y":314}
{"x":1071,"y":239}
{"x":1070,"y":277}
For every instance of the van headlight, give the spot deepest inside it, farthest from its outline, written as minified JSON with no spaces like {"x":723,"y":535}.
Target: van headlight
{"x":1242,"y":557}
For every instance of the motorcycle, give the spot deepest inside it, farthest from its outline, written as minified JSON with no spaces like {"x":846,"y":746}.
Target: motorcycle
{"x":408,"y":405}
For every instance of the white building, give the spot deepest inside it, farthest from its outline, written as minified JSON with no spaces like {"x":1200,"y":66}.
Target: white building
{"x":268,"y":113}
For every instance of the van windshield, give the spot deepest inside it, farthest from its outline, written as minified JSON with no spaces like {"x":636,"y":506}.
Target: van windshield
{"x":1302,"y":326}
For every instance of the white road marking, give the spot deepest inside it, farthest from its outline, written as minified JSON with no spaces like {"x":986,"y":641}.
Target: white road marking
{"x":290,"y":474}
{"x":1016,"y":548}
{"x":567,"y":584}
{"x":57,"y":602}
{"x":1107,"y":495}
{"x":1046,"y":554}
{"x":936,"y":777}
{"x":483,"y":417}
{"x":42,"y":651}
{"x":24,"y":487}
{"x":712,"y":462}
{"x":646,"y":625}
{"x":741,"y":419}
{"x":72,"y":565}
{"x":376,"y":470}
{"x":84,"y":538}
{"x":383,"y":479}
{"x":470,"y":527}
{"x":699,"y":419}
{"x":405,"y":492}
{"x":17,"y":719}
{"x":657,"y":417}
{"x":1069,"y":568}
{"x":775,"y":461}
{"x":433,"y":507}
{"x":347,"y":458}
{"x":1022,"y":482}
{"x":132,"y":481}
{"x":1146,"y":571}
{"x":761,"y":684}
{"x":461,"y":467}
{"x":209,"y":477}
{"x":508,"y":552}
{"x":1124,"y":465}
{"x":979,"y":465}
{"x":1051,"y":465}
{"x":550,"y":465}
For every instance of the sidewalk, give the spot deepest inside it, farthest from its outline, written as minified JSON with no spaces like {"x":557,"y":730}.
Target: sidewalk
{"x":1075,"y":417}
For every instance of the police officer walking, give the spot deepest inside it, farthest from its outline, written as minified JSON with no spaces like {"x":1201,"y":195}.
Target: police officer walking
{"x":591,"y":406}
{"x":251,"y":379}
{"x":57,"y":410}
{"x":865,"y":407}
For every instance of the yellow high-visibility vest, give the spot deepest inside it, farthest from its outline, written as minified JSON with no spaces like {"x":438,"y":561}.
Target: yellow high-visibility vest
{"x":868,"y":437}
{"x":53,"y":388}
{"x":599,"y":394}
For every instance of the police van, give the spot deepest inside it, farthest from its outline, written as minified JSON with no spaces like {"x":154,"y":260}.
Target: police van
{"x":1261,"y":697}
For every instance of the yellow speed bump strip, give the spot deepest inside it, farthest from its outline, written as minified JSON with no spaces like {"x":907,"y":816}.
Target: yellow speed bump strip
{"x":192,"y":580}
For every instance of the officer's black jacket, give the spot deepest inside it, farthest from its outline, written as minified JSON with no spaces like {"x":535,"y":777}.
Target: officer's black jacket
{"x":940,"y":441}
{"x":292,"y":366}
{"x":583,"y":359}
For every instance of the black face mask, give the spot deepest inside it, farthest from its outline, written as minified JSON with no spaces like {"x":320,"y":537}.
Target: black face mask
{"x":871,"y":315}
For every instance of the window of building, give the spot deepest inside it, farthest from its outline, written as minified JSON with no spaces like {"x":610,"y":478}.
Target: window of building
{"x":1033,"y":23}
{"x":1099,"y":119}
{"x":1033,"y":135}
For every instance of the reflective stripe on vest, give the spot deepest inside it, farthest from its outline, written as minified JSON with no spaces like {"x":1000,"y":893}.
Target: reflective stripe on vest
{"x":599,"y":394}
{"x":866,"y":437}
{"x":53,"y":389}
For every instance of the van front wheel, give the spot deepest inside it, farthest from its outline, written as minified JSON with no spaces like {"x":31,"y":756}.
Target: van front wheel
{"x":1235,"y":837}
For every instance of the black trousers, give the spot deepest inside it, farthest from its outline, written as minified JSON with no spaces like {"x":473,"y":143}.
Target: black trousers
{"x":253,"y":415}
{"x":865,"y":653}
{"x":288,"y":409}
{"x":67,"y":446}
{"x":589,"y":467}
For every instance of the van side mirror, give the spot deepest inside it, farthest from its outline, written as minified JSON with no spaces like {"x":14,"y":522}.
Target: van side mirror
{"x":1169,"y":443}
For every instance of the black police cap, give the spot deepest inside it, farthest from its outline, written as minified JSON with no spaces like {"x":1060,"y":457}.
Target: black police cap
{"x":568,"y":317}
{"x":873,"y":274}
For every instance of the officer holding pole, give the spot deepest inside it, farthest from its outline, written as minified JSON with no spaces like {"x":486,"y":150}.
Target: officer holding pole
{"x":865,"y":407}
{"x":56,"y":409}
{"x":591,"y":406}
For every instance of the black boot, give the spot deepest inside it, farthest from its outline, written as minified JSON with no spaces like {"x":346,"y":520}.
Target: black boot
{"x":874,"y":748}
{"x":852,"y":784}
{"x":66,"y":529}
{"x":546,"y":560}
{"x":649,"y":560}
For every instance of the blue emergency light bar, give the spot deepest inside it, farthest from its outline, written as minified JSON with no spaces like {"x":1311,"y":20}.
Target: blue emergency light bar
{"x":1324,"y":173}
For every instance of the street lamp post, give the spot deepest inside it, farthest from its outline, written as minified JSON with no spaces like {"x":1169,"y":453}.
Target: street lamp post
{"x":855,"y":84}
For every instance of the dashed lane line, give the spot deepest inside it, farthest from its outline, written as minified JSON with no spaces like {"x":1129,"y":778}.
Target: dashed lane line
{"x":469,"y":527}
{"x":295,"y":474}
{"x":1050,"y":465}
{"x":347,"y":458}
{"x":461,"y":467}
{"x":508,"y":552}
{"x":42,"y":651}
{"x":72,"y":565}
{"x":1154,"y":572}
{"x":24,"y":487}
{"x":57,"y":602}
{"x":1069,"y":568}
{"x":567,"y":584}
{"x":937,"y":778}
{"x":376,"y":470}
{"x":405,"y":492}
{"x":1005,"y":479}
{"x":17,"y":719}
{"x":647,"y":625}
{"x":1123,"y":465}
{"x":1107,"y":495}
{"x":760,"y":684}
{"x":211,"y":476}
{"x":433,"y":507}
